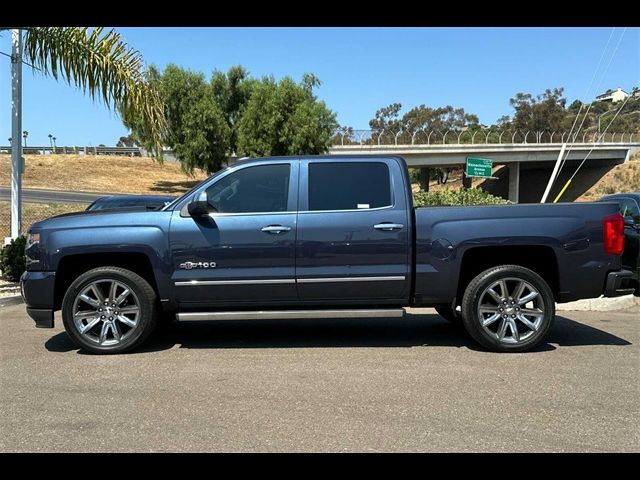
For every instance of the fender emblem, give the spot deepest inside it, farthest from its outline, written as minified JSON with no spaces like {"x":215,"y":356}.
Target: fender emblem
{"x":190,"y":265}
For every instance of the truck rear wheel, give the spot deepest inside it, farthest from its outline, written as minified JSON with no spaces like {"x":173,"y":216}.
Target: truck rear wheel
{"x":508,"y":309}
{"x":109,"y":310}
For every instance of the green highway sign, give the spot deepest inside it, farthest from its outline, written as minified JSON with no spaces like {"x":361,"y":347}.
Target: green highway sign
{"x":478,"y":167}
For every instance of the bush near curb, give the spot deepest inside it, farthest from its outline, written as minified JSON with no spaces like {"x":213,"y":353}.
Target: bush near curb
{"x":12,"y":261}
{"x":464,"y":196}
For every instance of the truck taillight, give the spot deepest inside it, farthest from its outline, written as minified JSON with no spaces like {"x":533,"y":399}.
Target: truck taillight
{"x":614,"y":234}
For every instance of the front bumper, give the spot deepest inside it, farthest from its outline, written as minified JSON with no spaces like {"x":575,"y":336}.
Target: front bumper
{"x":614,"y":287}
{"x":37,"y":290}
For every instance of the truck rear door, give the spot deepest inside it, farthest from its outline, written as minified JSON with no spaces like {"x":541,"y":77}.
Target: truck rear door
{"x":353,"y":231}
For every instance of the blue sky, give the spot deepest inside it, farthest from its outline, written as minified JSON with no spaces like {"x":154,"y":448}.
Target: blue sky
{"x":362,"y":69}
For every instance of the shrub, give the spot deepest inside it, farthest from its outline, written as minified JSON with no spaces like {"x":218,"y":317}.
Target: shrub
{"x":12,"y":261}
{"x":414,"y":175}
{"x":464,"y":196}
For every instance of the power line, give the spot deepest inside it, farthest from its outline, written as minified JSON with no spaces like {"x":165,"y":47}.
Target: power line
{"x":566,"y":185}
{"x":613,"y":54}
{"x":601,"y":136}
{"x":26,"y":63}
{"x":593,"y":77}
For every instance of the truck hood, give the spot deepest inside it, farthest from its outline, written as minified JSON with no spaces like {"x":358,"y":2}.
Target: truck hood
{"x":104,"y":218}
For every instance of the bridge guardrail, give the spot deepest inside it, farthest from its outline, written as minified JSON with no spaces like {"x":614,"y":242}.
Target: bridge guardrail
{"x":345,"y":137}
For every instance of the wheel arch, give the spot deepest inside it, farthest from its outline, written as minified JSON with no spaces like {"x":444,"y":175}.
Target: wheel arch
{"x":73,"y":265}
{"x":540,"y":259}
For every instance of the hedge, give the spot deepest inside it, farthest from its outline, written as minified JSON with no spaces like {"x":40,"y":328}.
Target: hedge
{"x":464,"y":196}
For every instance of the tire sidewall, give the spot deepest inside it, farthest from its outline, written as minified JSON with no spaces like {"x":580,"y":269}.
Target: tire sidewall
{"x":482,"y":281}
{"x":132,"y":281}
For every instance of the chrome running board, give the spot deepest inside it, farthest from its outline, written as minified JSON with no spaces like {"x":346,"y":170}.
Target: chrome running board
{"x":289,"y":314}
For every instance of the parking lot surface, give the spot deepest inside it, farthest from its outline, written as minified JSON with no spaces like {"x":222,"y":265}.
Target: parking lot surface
{"x":412,"y":384}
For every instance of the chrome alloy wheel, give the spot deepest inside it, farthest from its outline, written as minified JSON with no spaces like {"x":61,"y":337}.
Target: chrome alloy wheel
{"x":511,"y":310}
{"x":106,"y":312}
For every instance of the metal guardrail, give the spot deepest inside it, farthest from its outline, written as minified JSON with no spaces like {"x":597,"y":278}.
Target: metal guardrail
{"x":78,"y":150}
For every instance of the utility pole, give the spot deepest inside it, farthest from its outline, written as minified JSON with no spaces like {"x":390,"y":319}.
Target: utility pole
{"x":16,"y":132}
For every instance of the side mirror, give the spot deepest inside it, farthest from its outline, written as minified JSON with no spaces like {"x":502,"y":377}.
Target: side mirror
{"x":200,"y":207}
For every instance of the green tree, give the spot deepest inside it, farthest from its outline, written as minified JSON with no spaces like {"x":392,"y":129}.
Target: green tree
{"x":544,"y":112}
{"x":102,"y":65}
{"x":197,"y":132}
{"x":285,"y":118}
{"x":231,"y":92}
{"x":445,"y":118}
{"x":387,"y":119}
{"x":127,"y":141}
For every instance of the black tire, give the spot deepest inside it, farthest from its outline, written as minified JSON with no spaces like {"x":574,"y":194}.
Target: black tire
{"x":148,"y":309}
{"x":449,"y":314}
{"x":470,"y":302}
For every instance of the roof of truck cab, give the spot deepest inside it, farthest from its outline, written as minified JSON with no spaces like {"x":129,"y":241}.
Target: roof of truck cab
{"x":284,"y":158}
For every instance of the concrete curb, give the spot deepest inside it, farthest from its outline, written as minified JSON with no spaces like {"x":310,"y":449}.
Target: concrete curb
{"x":601,"y":304}
{"x":12,"y":300}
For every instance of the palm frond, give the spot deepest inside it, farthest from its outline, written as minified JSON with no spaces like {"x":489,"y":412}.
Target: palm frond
{"x":102,"y":65}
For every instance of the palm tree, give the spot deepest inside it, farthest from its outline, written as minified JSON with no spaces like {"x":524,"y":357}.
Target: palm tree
{"x":102,"y":65}
{"x":50,"y":140}
{"x":25,"y":134}
{"x":98,"y":63}
{"x":54,"y":144}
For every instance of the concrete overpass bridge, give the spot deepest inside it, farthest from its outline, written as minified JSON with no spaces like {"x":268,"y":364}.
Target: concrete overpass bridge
{"x":522,"y":168}
{"x":522,"y":161}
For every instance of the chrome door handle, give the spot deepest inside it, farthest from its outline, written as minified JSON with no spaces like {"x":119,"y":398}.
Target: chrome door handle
{"x":275,"y":229}
{"x":388,"y":226}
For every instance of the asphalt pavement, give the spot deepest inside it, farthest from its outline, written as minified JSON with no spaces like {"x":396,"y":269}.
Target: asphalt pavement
{"x":38,"y":195}
{"x":412,"y":384}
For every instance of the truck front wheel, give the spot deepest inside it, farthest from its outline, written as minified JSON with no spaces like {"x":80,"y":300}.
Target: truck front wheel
{"x":508,"y":309}
{"x":109,"y":310}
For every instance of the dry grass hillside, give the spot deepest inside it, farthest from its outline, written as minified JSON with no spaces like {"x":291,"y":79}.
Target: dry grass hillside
{"x":101,"y":173}
{"x":621,"y":178}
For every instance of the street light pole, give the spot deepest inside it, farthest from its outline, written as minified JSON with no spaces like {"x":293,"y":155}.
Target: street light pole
{"x":16,"y":132}
{"x":599,"y":117}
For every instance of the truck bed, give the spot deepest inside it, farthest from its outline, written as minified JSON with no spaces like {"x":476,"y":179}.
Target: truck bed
{"x":568,"y":233}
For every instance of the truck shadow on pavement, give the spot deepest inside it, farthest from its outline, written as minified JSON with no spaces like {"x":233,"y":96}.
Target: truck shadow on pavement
{"x":410,"y":331}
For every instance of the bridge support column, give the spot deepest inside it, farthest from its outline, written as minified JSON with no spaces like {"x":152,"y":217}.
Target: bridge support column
{"x":514,"y":182}
{"x":424,"y":179}
{"x":466,"y":181}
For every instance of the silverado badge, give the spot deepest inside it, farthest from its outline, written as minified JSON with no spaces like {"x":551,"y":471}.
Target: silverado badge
{"x":190,"y":265}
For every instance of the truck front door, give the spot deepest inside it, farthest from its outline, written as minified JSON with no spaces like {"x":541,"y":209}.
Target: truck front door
{"x":244,"y":252}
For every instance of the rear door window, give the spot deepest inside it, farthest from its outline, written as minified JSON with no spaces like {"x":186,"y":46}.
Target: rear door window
{"x":349,"y":185}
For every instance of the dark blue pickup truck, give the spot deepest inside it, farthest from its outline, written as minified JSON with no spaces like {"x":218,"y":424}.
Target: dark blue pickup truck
{"x":319,"y":237}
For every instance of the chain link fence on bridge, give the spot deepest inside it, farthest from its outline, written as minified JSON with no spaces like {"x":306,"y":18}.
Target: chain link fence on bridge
{"x":478,"y":136}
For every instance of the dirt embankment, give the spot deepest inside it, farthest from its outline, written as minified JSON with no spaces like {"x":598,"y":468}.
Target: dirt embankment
{"x":101,"y":173}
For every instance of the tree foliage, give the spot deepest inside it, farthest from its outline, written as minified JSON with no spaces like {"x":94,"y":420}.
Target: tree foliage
{"x":285,"y":118}
{"x":12,"y":261}
{"x":547,"y":112}
{"x":445,"y":118}
{"x":127,"y":141}
{"x":234,"y":114}
{"x":543,"y":112}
